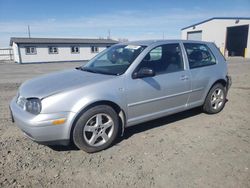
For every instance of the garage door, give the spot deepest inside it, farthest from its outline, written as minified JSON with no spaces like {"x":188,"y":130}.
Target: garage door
{"x":194,"y":35}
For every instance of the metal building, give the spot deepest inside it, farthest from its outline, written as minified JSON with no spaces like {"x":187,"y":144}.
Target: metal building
{"x":41,"y":50}
{"x":230,"y":34}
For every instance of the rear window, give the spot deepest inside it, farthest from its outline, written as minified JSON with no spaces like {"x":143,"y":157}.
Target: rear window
{"x":199,"y":55}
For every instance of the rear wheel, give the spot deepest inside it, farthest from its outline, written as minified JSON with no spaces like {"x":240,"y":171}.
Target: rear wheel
{"x":215,"y":100}
{"x":96,"y":129}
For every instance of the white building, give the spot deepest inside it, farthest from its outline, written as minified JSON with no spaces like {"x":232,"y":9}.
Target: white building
{"x":230,"y":34}
{"x":40,"y":50}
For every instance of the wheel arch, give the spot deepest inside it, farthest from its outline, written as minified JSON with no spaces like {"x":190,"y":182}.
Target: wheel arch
{"x":120,"y":112}
{"x":219,"y":81}
{"x":206,"y":107}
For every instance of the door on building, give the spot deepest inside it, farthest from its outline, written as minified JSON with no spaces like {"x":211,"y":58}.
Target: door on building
{"x":194,"y":35}
{"x":236,"y":40}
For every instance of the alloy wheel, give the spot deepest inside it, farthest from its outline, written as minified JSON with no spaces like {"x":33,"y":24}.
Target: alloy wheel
{"x":98,"y":129}
{"x":217,"y":99}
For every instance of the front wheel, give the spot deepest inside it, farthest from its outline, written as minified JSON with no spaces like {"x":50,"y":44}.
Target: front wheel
{"x":215,"y":100}
{"x":96,"y":129}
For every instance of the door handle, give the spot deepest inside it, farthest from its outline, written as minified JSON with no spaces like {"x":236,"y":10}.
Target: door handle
{"x":184,"y":77}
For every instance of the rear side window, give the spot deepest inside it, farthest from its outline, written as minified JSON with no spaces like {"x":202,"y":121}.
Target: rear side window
{"x":199,"y":55}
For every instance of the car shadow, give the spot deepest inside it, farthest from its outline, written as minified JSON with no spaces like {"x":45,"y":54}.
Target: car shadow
{"x":130,"y":131}
{"x":70,"y":147}
{"x":164,"y":121}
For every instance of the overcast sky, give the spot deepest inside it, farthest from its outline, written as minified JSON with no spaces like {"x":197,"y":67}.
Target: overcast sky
{"x":131,"y":19}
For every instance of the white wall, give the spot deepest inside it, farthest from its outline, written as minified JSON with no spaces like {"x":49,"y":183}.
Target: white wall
{"x":16,"y":53}
{"x":64,"y":53}
{"x":215,"y":31}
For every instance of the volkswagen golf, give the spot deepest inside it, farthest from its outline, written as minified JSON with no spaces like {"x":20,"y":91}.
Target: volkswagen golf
{"x":126,"y":84}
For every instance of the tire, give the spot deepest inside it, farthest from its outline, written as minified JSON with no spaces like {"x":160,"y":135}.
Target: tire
{"x":215,"y":100}
{"x":96,"y":129}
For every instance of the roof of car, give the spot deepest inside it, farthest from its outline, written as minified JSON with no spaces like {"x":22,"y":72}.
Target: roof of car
{"x":155,"y":42}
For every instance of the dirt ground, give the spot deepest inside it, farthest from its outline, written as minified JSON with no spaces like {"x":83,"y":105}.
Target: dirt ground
{"x":190,"y":149}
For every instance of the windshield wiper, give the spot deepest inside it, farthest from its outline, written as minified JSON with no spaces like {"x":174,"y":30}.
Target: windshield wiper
{"x":95,"y":71}
{"x":79,"y":68}
{"x":88,"y":70}
{"x":85,"y":69}
{"x":108,"y":73}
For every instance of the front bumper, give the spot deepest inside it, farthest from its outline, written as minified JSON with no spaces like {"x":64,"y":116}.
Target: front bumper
{"x":39,"y":127}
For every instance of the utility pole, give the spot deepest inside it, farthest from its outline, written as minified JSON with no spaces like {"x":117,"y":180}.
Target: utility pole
{"x":109,"y":34}
{"x":163,"y":35}
{"x":29,"y":30}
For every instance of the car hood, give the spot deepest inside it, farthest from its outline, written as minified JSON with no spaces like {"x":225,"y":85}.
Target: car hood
{"x":50,"y":84}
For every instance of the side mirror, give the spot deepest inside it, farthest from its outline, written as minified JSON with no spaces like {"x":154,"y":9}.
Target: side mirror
{"x":143,"y":72}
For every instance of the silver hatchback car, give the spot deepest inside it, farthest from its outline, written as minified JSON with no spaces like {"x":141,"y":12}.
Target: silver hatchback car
{"x":127,"y":84}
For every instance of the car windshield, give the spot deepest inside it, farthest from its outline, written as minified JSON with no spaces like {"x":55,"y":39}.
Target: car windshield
{"x":114,"y":60}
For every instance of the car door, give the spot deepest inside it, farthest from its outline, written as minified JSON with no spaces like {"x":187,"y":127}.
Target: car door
{"x":166,"y":92}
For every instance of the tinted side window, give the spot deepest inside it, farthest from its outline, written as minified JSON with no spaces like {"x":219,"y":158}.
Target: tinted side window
{"x":164,"y":59}
{"x":199,"y":55}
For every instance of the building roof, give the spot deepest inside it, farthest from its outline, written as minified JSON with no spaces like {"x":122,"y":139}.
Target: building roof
{"x":24,"y":40}
{"x":218,"y":18}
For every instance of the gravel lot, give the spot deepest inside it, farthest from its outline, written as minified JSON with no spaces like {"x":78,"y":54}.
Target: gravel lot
{"x":190,"y":149}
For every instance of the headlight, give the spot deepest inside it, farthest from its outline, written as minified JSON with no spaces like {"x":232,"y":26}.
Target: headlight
{"x":33,"y":105}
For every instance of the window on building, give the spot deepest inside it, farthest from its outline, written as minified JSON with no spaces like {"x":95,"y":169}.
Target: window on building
{"x":94,"y":49}
{"x":30,"y":50}
{"x":164,"y":59}
{"x":53,"y":50}
{"x":199,"y":55}
{"x":75,"y":50}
